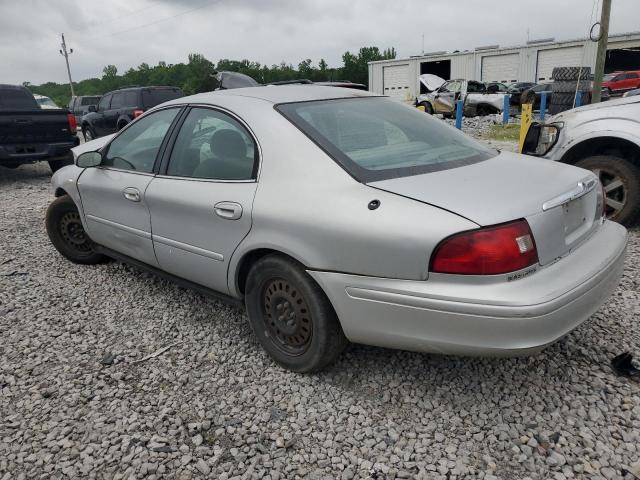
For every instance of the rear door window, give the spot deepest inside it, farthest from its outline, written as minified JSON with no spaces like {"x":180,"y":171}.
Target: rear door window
{"x":156,"y":96}
{"x":117,"y":101}
{"x":105,"y":102}
{"x":89,"y":101}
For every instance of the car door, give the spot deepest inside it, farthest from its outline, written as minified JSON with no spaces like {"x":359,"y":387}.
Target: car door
{"x":111,"y":116}
{"x":98,"y":124}
{"x":113,"y":194}
{"x":446,"y":98}
{"x":201,"y":201}
{"x":630,"y":81}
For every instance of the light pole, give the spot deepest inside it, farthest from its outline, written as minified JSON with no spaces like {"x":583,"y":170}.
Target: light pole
{"x":65,"y":54}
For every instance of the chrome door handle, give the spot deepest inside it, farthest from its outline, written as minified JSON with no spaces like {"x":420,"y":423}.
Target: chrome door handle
{"x":228,"y":210}
{"x":132,"y":194}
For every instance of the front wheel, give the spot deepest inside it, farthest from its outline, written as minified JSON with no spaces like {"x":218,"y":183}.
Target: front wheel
{"x":56,"y":165}
{"x":67,"y":234}
{"x":88,"y":134}
{"x":621,"y":182}
{"x":427,"y":107}
{"x":291,"y":315}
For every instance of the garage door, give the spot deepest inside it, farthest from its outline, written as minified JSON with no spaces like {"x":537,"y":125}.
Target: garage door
{"x":500,"y":68}
{"x":396,"y":81}
{"x":557,"y":57}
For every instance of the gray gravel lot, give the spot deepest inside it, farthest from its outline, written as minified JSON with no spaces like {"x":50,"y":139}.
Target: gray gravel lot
{"x":74,"y":402}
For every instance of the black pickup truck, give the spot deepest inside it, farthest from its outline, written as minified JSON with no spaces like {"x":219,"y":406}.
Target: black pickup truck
{"x":30,"y":134}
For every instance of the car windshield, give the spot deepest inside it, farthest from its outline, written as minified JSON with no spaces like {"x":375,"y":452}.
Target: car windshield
{"x":46,"y":101}
{"x":151,"y":98}
{"x":608,"y":77}
{"x":375,"y":138}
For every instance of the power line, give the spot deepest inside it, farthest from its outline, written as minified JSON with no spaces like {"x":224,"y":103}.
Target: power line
{"x":155,"y":22}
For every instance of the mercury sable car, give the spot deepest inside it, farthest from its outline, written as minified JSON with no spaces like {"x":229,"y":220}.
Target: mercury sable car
{"x":336,"y":215}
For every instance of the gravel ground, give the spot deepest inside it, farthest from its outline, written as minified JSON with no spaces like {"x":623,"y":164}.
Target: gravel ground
{"x":78,"y":400}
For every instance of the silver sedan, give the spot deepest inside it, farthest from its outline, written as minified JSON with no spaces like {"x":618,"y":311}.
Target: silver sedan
{"x":335,"y":215}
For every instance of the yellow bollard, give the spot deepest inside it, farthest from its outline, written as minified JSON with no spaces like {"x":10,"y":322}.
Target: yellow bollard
{"x":525,"y":122}
{"x":420,"y":107}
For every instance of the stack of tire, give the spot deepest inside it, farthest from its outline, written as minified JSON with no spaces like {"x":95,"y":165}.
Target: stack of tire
{"x":563,"y":88}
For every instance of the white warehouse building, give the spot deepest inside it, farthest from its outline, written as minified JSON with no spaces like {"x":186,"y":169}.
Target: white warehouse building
{"x":532,"y":62}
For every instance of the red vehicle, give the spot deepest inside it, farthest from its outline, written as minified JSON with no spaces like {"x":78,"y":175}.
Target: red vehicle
{"x":620,"y":82}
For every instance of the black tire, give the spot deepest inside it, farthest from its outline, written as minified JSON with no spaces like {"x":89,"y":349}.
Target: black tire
{"x":571,"y":73}
{"x":67,"y":234}
{"x":566,"y":86}
{"x":612,"y":171}
{"x":88,"y":133}
{"x":528,"y":97}
{"x":56,"y":165}
{"x":483,"y":110}
{"x":427,"y":107}
{"x":554,"y":108}
{"x":121,"y":125}
{"x":563,"y":99}
{"x":305,"y":336}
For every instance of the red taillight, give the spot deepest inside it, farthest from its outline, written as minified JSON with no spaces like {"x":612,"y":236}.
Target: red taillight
{"x":71,"y":118}
{"x":487,"y":251}
{"x":137,"y":113}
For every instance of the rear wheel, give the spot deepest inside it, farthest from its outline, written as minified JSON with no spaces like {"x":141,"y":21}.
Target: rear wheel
{"x":621,"y":182}
{"x":67,"y":234}
{"x":291,"y":315}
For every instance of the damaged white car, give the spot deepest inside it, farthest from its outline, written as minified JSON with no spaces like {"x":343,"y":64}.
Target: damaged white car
{"x":479,"y":98}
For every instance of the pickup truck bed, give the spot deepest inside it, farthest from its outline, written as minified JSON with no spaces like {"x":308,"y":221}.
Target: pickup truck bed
{"x":31,"y":134}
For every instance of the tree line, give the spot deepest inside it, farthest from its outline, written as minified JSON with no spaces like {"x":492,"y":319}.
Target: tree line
{"x":196,"y":75}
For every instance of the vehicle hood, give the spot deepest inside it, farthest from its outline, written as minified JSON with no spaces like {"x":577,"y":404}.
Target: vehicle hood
{"x":506,"y":187}
{"x":601,"y":110}
{"x":91,"y":146}
{"x":431,"y":82}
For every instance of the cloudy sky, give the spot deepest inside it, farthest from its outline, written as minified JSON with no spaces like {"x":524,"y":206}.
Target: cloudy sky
{"x":128,"y":32}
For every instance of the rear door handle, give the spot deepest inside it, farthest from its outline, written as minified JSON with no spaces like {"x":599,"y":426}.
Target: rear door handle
{"x":228,"y":210}
{"x":132,"y":194}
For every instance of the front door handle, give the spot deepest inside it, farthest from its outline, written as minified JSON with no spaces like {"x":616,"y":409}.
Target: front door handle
{"x":228,"y":210}
{"x":132,"y":194}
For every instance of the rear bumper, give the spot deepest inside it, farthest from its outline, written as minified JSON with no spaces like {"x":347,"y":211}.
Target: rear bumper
{"x":19,"y":153}
{"x":478,"y":316}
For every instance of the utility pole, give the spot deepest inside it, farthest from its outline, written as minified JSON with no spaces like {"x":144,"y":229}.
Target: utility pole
{"x":65,"y":54}
{"x":602,"y":51}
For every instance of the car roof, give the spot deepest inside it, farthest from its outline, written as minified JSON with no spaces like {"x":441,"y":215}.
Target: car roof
{"x":279,"y":94}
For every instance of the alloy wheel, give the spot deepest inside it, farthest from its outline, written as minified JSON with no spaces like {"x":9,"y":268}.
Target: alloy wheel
{"x":615,"y":191}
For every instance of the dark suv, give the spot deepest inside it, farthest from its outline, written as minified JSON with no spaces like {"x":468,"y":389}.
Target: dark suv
{"x":116,"y":109}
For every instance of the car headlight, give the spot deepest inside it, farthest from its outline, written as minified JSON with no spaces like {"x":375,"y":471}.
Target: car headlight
{"x":548,"y":137}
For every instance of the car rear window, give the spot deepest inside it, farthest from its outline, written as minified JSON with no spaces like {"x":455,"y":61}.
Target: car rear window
{"x":375,"y":138}
{"x":89,"y":101}
{"x":151,"y":98}
{"x":17,"y":99}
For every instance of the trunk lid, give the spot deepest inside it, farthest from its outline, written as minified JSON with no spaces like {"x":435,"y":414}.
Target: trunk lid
{"x":559,"y":201}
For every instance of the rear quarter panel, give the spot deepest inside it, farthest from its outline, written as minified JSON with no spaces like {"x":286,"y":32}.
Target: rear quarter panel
{"x":308,"y":207}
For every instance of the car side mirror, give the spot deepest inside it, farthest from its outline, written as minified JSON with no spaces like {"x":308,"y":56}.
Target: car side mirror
{"x":89,"y":159}
{"x":92,"y":108}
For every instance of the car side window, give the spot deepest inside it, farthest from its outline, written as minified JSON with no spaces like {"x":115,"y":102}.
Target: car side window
{"x":136,"y":147}
{"x":117,"y":101}
{"x":632,"y":75}
{"x":104,"y":102}
{"x":213,"y":145}
{"x":130,"y":99}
